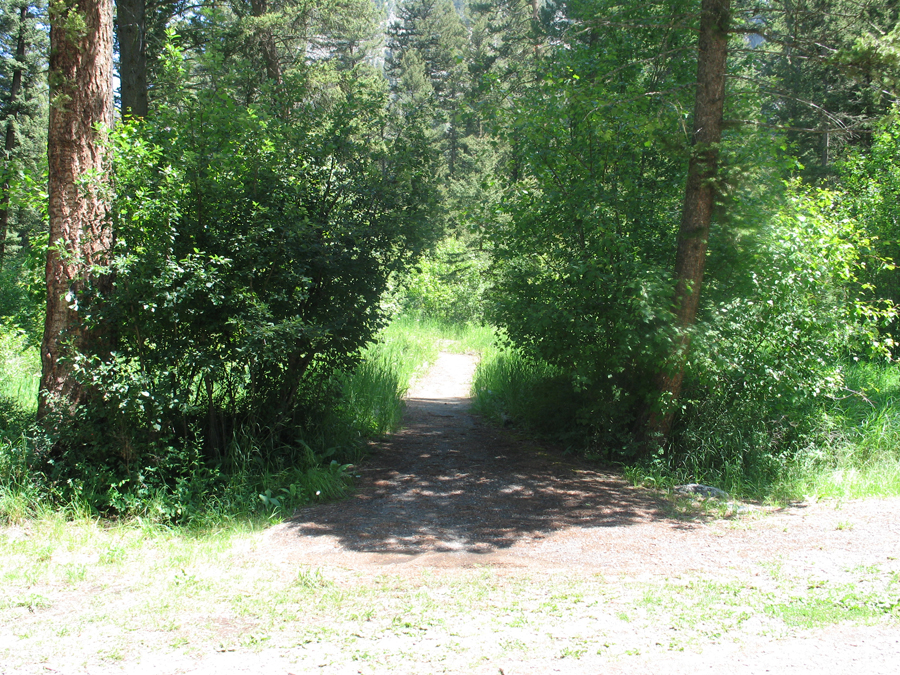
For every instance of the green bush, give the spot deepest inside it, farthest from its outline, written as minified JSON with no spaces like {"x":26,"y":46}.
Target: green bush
{"x":766,"y":363}
{"x":253,"y":248}
{"x":447,"y":285}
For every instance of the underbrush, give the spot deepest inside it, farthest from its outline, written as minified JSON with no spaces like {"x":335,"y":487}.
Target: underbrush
{"x":261,"y":474}
{"x":510,"y":388}
{"x":846,"y":445}
{"x":858,"y":453}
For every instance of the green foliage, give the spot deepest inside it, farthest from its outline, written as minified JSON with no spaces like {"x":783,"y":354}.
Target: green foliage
{"x":252,"y":253}
{"x":766,"y":361}
{"x":447,"y":285}
{"x":582,"y":245}
{"x":765,"y":366}
{"x":513,"y":389}
{"x":871,"y":181}
{"x":254,"y":244}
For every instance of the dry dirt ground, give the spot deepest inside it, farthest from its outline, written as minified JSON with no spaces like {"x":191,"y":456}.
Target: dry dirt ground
{"x":523,"y":560}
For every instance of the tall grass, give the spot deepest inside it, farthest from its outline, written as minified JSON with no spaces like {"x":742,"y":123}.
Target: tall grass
{"x":858,"y":448}
{"x":852,"y":450}
{"x":19,"y":379}
{"x":510,"y":388}
{"x":19,"y":371}
{"x":373,"y":391}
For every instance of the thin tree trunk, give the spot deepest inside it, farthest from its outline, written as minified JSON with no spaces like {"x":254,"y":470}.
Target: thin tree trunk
{"x":80,"y":75}
{"x":267,"y":46}
{"x":696,"y":216}
{"x":131,"y":29}
{"x":10,"y":141}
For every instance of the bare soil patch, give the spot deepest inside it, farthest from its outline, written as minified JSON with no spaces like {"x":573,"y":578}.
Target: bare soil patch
{"x":450,"y":492}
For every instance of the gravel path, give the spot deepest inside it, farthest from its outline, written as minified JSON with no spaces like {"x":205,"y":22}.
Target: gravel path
{"x":449,"y":490}
{"x":467,"y":549}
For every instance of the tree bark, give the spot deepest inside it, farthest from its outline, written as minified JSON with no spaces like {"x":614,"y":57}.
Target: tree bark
{"x":10,"y":140}
{"x":696,"y":216}
{"x":80,"y":75}
{"x":267,"y":45}
{"x":131,"y":30}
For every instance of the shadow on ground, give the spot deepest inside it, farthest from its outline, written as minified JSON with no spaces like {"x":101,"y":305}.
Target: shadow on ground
{"x":449,"y":483}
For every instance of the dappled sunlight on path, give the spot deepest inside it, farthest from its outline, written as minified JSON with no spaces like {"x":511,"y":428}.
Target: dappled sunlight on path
{"x":447,"y":483}
{"x":451,"y":491}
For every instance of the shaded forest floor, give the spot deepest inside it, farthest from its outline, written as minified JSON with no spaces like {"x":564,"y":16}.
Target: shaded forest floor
{"x":467,"y":549}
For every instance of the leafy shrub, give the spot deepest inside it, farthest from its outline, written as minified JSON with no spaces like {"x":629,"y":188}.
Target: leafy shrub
{"x":447,"y":285}
{"x":765,"y":363}
{"x":253,"y":249}
{"x":253,"y":246}
{"x":766,"y":354}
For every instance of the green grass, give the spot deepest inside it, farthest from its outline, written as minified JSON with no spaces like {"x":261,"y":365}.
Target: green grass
{"x":508,"y":387}
{"x":373,"y":391}
{"x":20,"y":371}
{"x":852,"y":452}
{"x":857,"y":453}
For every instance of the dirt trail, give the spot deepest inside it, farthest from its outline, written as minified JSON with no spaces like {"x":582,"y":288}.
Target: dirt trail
{"x":450,"y":491}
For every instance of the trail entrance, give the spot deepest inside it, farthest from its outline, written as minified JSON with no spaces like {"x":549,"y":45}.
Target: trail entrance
{"x":448,"y":490}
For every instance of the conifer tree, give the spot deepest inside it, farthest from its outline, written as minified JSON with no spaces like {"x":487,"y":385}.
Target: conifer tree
{"x":80,"y":232}
{"x":22,"y":103}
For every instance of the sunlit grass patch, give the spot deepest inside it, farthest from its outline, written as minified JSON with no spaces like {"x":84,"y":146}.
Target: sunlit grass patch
{"x":19,"y":373}
{"x":405,"y":349}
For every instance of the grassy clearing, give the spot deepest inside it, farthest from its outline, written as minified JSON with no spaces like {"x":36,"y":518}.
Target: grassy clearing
{"x":144,"y":592}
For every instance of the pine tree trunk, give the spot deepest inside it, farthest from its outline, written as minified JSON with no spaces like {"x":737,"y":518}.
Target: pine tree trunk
{"x":267,"y":46}
{"x":81,"y":98}
{"x":700,"y":192}
{"x":131,"y":30}
{"x":9,"y":143}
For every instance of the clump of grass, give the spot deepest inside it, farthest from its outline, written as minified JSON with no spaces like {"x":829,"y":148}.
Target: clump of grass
{"x":511,"y":388}
{"x":857,"y":449}
{"x":19,"y":380}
